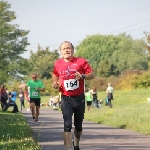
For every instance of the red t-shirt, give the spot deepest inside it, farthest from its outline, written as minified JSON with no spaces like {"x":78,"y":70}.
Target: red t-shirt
{"x":66,"y":70}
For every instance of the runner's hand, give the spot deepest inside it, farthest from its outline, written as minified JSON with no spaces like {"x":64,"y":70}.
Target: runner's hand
{"x":78,"y":76}
{"x":55,"y":85}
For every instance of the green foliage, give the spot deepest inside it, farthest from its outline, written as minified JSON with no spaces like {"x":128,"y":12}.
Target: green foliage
{"x":13,"y":40}
{"x":42,"y":62}
{"x":142,"y":81}
{"x":126,"y":81}
{"x":101,"y":83}
{"x":113,"y":55}
{"x":49,"y":89}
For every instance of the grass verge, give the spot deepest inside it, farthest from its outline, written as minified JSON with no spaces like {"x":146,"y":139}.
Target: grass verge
{"x":15,"y":133}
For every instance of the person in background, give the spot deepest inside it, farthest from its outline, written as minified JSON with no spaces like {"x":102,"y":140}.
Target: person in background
{"x":109,"y":92}
{"x":7,"y":93}
{"x":21,"y":97}
{"x":68,"y":75}
{"x":13,"y":95}
{"x":36,"y":86}
{"x":94,"y":95}
{"x":12,"y":103}
{"x":27,"y":97}
{"x":89,"y":98}
{"x":59,"y":99}
{"x":4,"y":96}
{"x":55,"y":102}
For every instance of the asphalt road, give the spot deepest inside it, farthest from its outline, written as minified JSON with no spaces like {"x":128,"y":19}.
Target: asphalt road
{"x":95,"y":136}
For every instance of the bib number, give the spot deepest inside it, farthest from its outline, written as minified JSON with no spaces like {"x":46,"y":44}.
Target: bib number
{"x":71,"y":84}
{"x":34,"y":93}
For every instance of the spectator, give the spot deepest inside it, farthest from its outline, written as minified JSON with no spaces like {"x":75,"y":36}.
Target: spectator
{"x":4,"y":96}
{"x":13,"y":95}
{"x":89,"y":98}
{"x":109,"y":92}
{"x":12,"y":103}
{"x":94,"y":95}
{"x":55,"y":102}
{"x":21,"y":97}
{"x":51,"y":100}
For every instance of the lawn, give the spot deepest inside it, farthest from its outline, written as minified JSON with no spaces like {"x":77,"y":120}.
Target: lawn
{"x":130,"y":111}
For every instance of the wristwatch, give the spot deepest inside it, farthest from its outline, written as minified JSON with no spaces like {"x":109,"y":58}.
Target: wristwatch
{"x":83,"y":76}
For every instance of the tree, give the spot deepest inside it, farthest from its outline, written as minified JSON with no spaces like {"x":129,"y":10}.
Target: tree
{"x":113,"y":55}
{"x":13,"y":40}
{"x":42,"y":62}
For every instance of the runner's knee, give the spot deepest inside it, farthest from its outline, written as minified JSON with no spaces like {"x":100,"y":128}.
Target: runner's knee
{"x":67,"y":127}
{"x":78,"y":127}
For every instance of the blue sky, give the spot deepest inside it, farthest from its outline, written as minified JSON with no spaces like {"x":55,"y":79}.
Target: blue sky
{"x":51,"y":22}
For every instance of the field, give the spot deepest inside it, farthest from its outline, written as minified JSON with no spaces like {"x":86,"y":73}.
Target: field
{"x":130,"y":111}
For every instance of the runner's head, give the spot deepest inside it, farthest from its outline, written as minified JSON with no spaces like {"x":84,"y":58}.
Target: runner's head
{"x":34,"y":76}
{"x":67,"y":50}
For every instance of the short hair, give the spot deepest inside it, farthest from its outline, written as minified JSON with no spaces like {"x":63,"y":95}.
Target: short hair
{"x":66,"y":42}
{"x":34,"y":73}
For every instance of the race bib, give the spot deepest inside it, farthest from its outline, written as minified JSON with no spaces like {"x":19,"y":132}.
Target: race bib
{"x":34,"y":93}
{"x":71,"y":84}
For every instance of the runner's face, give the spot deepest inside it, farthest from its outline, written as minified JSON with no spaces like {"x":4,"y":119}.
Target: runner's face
{"x":66,"y":51}
{"x":34,"y":77}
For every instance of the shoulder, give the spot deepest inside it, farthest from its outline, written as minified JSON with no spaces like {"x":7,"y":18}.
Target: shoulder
{"x":58,"y":61}
{"x":80,"y":59}
{"x":39,"y":81}
{"x":29,"y":81}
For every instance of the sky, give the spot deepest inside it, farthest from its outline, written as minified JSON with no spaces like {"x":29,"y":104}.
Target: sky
{"x":51,"y":22}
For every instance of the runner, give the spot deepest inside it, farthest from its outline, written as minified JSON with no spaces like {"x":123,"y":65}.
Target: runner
{"x":68,"y":75}
{"x":36,"y":86}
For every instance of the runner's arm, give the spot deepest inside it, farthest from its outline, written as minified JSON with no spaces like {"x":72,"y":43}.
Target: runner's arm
{"x":26,"y":92}
{"x":41,"y":89}
{"x":55,"y":83}
{"x":89,"y":76}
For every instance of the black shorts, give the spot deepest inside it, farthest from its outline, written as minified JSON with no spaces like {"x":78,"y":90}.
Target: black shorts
{"x":89,"y":103}
{"x":37,"y":101}
{"x":73,"y":105}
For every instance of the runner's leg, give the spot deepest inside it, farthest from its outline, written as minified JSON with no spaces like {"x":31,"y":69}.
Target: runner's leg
{"x":78,"y":119}
{"x":67,"y":116}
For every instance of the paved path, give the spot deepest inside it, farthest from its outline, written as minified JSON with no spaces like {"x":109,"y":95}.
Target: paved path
{"x":95,"y":136}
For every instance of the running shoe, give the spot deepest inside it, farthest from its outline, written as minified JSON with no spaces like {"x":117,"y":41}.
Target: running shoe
{"x":33,"y":121}
{"x":36,"y":122}
{"x":76,"y":148}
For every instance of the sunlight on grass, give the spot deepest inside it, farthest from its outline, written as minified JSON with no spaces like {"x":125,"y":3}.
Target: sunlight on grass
{"x":130,"y":111}
{"x":16,"y":134}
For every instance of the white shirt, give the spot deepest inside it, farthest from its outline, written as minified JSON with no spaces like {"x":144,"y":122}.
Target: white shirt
{"x":110,"y":89}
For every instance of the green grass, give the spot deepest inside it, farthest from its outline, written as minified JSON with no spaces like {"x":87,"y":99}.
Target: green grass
{"x":130,"y":111}
{"x":15,"y":133}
